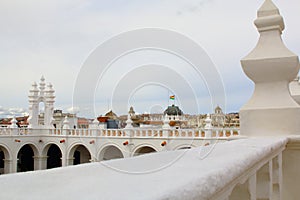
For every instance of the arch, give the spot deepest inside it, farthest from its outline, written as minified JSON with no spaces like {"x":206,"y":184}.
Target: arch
{"x":6,"y":151}
{"x":143,"y":149}
{"x":41,"y":106}
{"x":110,"y":152}
{"x":54,"y":155}
{"x":2,"y":165}
{"x":26,"y":158}
{"x":4,"y":155}
{"x":33,"y":147}
{"x":79,"y":154}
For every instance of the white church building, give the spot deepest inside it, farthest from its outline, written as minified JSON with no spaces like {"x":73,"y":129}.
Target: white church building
{"x":43,"y":145}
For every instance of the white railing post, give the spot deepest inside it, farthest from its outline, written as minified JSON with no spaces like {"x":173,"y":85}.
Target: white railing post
{"x":208,"y":127}
{"x":224,"y":132}
{"x":244,"y":191}
{"x":264,"y":184}
{"x":66,"y":126}
{"x":94,"y":127}
{"x":252,"y":187}
{"x":166,"y":127}
{"x":14,"y":127}
{"x":277,"y":177}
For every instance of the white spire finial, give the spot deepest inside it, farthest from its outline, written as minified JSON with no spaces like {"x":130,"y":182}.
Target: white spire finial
{"x":13,"y":123}
{"x":42,"y":84}
{"x":166,"y":122}
{"x":33,"y":92}
{"x":269,"y":18}
{"x":208,"y":122}
{"x":129,"y":122}
{"x":95,"y":122}
{"x":66,"y":123}
{"x":271,"y":66}
{"x":268,"y":8}
{"x":50,"y":91}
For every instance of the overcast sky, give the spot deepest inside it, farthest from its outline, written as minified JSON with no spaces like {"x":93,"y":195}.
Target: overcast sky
{"x":54,"y":38}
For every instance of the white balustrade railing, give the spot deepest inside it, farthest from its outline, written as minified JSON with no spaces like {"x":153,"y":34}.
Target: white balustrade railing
{"x":260,"y":179}
{"x":134,"y":132}
{"x":4,"y":131}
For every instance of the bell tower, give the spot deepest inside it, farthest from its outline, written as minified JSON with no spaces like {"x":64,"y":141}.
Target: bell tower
{"x":45,"y":94}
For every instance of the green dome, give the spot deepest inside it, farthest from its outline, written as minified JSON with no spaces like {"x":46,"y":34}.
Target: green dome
{"x":173,"y":110}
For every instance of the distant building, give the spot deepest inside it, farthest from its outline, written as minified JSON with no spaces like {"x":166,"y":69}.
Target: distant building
{"x":109,"y":121}
{"x":21,"y":122}
{"x":58,"y":119}
{"x":83,"y":123}
{"x":218,"y":118}
{"x":175,"y":116}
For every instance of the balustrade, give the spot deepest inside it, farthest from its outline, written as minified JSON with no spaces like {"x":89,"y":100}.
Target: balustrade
{"x":133,"y":132}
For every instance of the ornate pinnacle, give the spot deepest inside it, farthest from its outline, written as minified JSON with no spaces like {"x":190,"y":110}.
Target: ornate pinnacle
{"x":269,"y":18}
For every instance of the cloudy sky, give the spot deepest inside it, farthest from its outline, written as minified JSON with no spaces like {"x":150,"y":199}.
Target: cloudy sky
{"x":54,"y":38}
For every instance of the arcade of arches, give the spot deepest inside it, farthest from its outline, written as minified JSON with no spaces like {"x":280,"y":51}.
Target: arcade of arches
{"x":28,"y":157}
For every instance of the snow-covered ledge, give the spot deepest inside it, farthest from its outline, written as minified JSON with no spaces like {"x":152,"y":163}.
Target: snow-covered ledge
{"x":240,"y":169}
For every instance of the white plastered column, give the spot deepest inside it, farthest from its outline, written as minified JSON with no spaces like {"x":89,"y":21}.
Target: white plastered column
{"x":271,"y":66}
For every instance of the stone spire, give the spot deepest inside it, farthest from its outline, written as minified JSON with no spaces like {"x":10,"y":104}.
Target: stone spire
{"x":42,"y":86}
{"x":271,"y":66}
{"x":94,"y":124}
{"x":49,"y":105}
{"x":129,"y":122}
{"x":66,"y":123}
{"x":34,"y":91}
{"x":208,"y":121}
{"x":33,"y":105}
{"x":13,"y":123}
{"x":166,"y":122}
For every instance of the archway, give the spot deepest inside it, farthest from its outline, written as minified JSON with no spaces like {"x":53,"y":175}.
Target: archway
{"x":53,"y":156}
{"x":144,"y":150}
{"x":80,"y":154}
{"x":4,"y":155}
{"x":41,"y":112}
{"x":25,"y":159}
{"x":110,"y":152}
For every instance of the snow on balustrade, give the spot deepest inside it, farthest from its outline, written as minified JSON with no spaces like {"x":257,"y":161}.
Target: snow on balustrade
{"x":209,"y":172}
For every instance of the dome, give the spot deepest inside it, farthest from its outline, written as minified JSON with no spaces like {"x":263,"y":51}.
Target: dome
{"x":218,"y":110}
{"x":111,"y":115}
{"x":173,"y":110}
{"x":131,"y":111}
